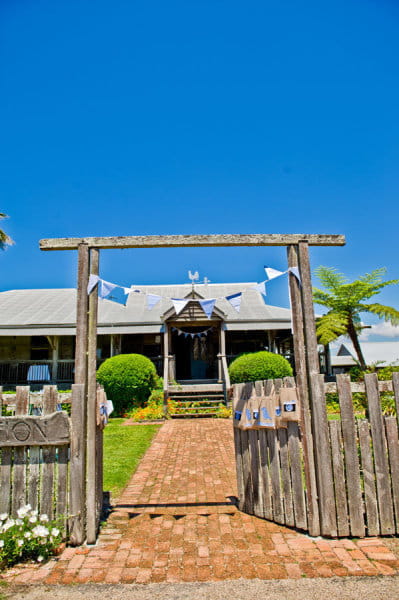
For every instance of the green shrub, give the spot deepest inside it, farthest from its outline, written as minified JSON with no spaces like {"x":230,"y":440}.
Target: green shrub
{"x":258,"y":366}
{"x":128,"y":380}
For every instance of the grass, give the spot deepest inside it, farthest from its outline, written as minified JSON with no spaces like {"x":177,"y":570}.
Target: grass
{"x":123,"y":448}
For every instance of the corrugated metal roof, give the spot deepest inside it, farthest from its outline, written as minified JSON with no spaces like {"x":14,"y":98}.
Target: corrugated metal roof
{"x":54,"y":309}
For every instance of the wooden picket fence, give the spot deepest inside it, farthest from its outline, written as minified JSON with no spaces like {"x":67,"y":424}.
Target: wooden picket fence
{"x":43,"y":456}
{"x":362,"y":457}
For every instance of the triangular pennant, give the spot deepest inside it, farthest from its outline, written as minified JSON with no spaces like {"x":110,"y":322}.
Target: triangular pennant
{"x":152,"y":300}
{"x":208,"y":306}
{"x":186,"y":334}
{"x":192,"y":335}
{"x":295,"y":271}
{"x":261,"y":287}
{"x":179,"y":304}
{"x":117,"y":294}
{"x":128,"y":290}
{"x":93,"y":280}
{"x":272,"y":273}
{"x":105,"y":288}
{"x":235,"y":301}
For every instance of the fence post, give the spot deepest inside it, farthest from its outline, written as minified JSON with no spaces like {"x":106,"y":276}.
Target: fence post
{"x":77,"y":493}
{"x":303,"y":391}
{"x":322,"y":448}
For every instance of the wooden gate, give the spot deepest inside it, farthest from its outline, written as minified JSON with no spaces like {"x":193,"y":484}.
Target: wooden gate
{"x":362,"y":455}
{"x":43,"y":458}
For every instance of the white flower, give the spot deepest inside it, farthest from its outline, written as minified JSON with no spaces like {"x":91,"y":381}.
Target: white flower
{"x":23,"y":511}
{"x":18,"y":521}
{"x":44,"y":518}
{"x":28,"y":535}
{"x":3,"y":516}
{"x":40,"y":558}
{"x":8,"y":524}
{"x":1,"y":543}
{"x":40,"y":531}
{"x":55,"y":531}
{"x":20,"y":543}
{"x":33,"y":519}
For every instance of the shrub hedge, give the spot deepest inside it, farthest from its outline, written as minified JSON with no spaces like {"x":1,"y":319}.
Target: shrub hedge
{"x":128,"y":380}
{"x":259,"y":365}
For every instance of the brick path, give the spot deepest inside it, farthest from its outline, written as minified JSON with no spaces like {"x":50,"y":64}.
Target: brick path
{"x":176,"y":522}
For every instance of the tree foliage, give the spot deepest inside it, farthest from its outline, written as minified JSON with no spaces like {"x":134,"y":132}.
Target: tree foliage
{"x":346,"y":301}
{"x":5,"y":239}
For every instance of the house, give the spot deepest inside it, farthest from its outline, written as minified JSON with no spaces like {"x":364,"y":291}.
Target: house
{"x":37,"y":332}
{"x":380,"y":353}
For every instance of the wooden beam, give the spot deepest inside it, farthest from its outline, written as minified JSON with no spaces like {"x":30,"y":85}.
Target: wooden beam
{"x":81,"y":315}
{"x":179,"y":241}
{"x":92,"y":404}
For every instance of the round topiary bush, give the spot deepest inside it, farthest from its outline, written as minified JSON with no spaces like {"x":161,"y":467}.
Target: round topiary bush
{"x":127,"y":379}
{"x":259,"y":365}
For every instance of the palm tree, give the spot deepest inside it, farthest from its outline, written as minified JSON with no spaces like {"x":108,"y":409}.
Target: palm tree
{"x":5,"y":240}
{"x":345,"y":301}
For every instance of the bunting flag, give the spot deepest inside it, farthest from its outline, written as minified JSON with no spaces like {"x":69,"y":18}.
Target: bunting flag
{"x":93,"y":280}
{"x":152,"y":300}
{"x":118,"y":294}
{"x":105,"y":288}
{"x":204,"y":332}
{"x":180,"y":304}
{"x":261,"y":288}
{"x":273,"y":273}
{"x":235,"y":301}
{"x":208,"y":306}
{"x":295,"y":271}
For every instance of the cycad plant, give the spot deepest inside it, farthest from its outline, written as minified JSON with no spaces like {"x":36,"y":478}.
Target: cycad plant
{"x":5,"y":239}
{"x":346,"y":301}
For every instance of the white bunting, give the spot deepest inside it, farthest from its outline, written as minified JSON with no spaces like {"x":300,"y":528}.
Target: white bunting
{"x":93,"y":280}
{"x":273,"y":273}
{"x":105,"y":288}
{"x":261,"y":288}
{"x":295,"y":271}
{"x":152,"y":300}
{"x":179,"y":304}
{"x":208,"y":306}
{"x":235,"y":301}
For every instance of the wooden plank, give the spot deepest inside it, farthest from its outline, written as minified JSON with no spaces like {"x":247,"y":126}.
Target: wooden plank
{"x":62,"y":483}
{"x":286,"y":477}
{"x":82,"y":315}
{"x":321,"y":442}
{"x":1,"y":400}
{"x":313,"y":516}
{"x":395,"y":385}
{"x":391,"y":428}
{"x":330,"y":387}
{"x":48,"y":430}
{"x":257,"y":489}
{"x":239,"y":468}
{"x":34,"y":476}
{"x":5,"y":480}
{"x":92,"y":521}
{"x":101,"y":399}
{"x":19,"y":467}
{"x":77,"y":489}
{"x":339,"y":478}
{"x":385,"y":506}
{"x":248,"y":505}
{"x":298,"y":493}
{"x":370,"y":494}
{"x":355,"y":502}
{"x":48,"y":456}
{"x":264,"y":473}
{"x":180,"y":241}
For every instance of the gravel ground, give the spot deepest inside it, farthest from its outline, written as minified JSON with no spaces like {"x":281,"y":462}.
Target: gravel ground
{"x":336,"y":588}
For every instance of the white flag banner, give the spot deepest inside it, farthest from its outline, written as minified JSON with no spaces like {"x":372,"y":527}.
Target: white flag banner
{"x":261,"y":288}
{"x":127,"y":290}
{"x":273,"y":273}
{"x":152,"y":300}
{"x":295,"y":271}
{"x":208,"y":306}
{"x":235,"y":301}
{"x":93,"y":280}
{"x":179,"y":304}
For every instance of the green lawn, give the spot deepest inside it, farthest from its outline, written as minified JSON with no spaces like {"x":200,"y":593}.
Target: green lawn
{"x":124,"y":445}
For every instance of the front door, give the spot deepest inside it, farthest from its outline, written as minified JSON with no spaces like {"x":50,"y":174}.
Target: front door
{"x":196,"y":357}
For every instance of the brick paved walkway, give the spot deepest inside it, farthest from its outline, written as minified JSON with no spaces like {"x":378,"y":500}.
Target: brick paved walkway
{"x":176,"y":521}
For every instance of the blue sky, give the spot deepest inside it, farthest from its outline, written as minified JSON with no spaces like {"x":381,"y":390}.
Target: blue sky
{"x":130,"y":118}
